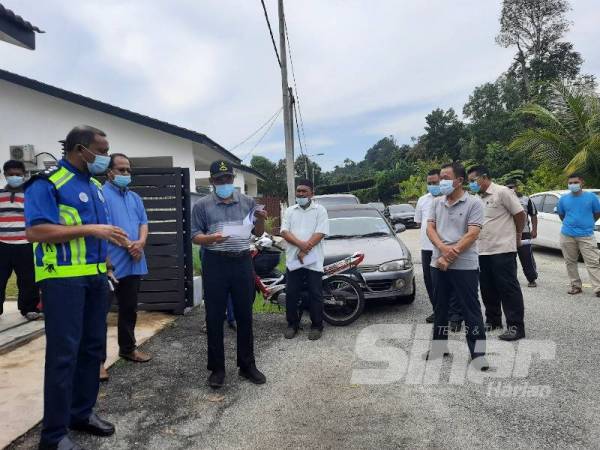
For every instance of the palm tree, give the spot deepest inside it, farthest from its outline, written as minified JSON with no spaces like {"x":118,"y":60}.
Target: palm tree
{"x":566,"y":133}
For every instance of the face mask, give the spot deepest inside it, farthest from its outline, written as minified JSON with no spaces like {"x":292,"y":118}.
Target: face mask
{"x":574,"y":187}
{"x":15,"y":181}
{"x":224,"y":190}
{"x":434,"y":189}
{"x":474,"y":186}
{"x":100,"y":164}
{"x":302,"y":201}
{"x":122,"y":181}
{"x":447,"y":187}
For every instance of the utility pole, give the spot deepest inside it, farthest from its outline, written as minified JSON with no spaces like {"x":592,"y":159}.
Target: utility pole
{"x":287,"y":113}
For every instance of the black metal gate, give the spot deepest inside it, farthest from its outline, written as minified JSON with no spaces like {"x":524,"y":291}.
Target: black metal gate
{"x":169,"y":284}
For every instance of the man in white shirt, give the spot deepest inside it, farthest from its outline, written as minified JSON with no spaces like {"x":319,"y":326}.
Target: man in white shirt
{"x":304,"y":226}
{"x":422,"y":214}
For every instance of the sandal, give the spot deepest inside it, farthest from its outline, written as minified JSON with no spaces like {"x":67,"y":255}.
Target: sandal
{"x":575,"y":290}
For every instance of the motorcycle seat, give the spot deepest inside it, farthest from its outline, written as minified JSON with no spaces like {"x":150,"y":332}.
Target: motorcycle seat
{"x":333,"y":259}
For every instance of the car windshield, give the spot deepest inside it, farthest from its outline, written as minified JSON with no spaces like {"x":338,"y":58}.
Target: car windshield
{"x":333,"y":201}
{"x":345,"y":227}
{"x":401,"y":208}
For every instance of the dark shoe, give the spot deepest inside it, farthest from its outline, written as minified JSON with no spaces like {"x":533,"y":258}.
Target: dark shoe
{"x":512,"y":334}
{"x":493,"y":326}
{"x":253,"y":374}
{"x":430,"y":356}
{"x":290,"y":332}
{"x":216,"y":379}
{"x":136,"y":356}
{"x":574,"y":290}
{"x":95,"y":426}
{"x":455,"y":326}
{"x":532,"y":284}
{"x":480,"y":363}
{"x":315,"y":334}
{"x":65,"y":444}
{"x":598,"y":294}
{"x":232,"y":326}
{"x":430,"y":318}
{"x":103,"y":374}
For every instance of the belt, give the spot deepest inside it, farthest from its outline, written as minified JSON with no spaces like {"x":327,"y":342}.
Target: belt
{"x":241,"y":254}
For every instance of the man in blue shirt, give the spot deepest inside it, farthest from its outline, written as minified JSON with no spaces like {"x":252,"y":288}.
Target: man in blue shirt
{"x":66,"y":219}
{"x":579,"y":211}
{"x":126,"y":210}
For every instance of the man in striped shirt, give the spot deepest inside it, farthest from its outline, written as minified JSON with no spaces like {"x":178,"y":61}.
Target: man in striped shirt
{"x":16,"y":253}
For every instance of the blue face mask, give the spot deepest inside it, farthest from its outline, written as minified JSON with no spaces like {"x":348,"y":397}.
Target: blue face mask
{"x":100,"y":164}
{"x":122,"y":181}
{"x":574,"y":187}
{"x":434,"y":189}
{"x":474,"y":186}
{"x":302,"y":201}
{"x":224,"y":190}
{"x":15,"y":181}
{"x":446,"y":187}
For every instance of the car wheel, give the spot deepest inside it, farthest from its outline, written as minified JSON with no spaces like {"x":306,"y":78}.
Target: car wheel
{"x":408,"y":299}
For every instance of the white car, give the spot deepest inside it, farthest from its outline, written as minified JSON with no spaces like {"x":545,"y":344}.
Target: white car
{"x":549,"y":224}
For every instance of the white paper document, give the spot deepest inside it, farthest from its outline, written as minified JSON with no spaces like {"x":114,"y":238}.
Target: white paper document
{"x":309,"y":259}
{"x":242,"y":231}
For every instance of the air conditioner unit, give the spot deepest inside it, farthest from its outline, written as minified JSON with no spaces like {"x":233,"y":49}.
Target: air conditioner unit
{"x":25,"y":153}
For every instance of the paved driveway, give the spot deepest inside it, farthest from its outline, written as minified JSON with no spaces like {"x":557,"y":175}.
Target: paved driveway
{"x":311,"y":399}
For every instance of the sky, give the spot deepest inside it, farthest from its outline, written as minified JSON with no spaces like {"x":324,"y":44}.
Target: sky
{"x":363,"y":69}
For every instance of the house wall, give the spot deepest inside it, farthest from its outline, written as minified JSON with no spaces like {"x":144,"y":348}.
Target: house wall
{"x":30,"y":117}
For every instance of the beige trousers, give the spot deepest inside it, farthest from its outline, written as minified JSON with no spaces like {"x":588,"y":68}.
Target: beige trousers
{"x":571,"y":246}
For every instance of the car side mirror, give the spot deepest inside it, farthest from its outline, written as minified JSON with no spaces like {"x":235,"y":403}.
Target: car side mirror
{"x":399,"y":228}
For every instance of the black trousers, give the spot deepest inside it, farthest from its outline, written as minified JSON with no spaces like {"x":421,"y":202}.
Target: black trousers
{"x":19,"y":258}
{"x":500,"y":289}
{"x":454,"y":311}
{"x":126,"y":293}
{"x":223,"y":276}
{"x":464,"y":284}
{"x":296,"y":282}
{"x":525,"y":253}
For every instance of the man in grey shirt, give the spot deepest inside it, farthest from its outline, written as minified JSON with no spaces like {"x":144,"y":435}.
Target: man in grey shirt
{"x":453,"y":227}
{"x":227,"y":270}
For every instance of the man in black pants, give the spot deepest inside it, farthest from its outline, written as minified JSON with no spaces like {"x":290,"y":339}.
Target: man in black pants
{"x":525,"y":251}
{"x":498,"y":242}
{"x":220,"y":225}
{"x":127,"y":265}
{"x":16,"y":253}
{"x":304,"y":226}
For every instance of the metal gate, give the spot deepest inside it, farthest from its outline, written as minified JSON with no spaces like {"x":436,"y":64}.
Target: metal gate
{"x":169,"y":283}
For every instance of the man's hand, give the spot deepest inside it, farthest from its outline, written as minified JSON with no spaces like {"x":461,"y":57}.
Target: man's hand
{"x":217,"y":238}
{"x":304,"y":247}
{"x":533,"y":234}
{"x":442,"y":264}
{"x":301,"y":256}
{"x":111,"y":233}
{"x":519,"y":243}
{"x":261,"y":215}
{"x":136,"y":250}
{"x":111,"y":276}
{"x":449,"y":253}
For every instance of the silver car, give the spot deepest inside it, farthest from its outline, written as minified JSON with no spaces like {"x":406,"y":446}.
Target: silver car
{"x":387,"y":268}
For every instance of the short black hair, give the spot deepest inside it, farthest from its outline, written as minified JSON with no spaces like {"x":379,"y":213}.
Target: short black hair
{"x":13,"y":164}
{"x":457,"y":168}
{"x":305,"y":182}
{"x":511,"y":182}
{"x":114,"y":156}
{"x":81,"y":135}
{"x":575,"y":175}
{"x":433,"y":172}
{"x":481,"y":171}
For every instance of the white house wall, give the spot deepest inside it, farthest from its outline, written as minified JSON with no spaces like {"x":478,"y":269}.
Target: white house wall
{"x":30,"y":117}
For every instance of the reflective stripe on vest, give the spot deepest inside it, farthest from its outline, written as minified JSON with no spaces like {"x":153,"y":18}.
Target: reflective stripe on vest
{"x":68,"y":216}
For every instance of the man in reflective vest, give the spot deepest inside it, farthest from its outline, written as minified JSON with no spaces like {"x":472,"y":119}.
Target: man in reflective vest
{"x":67,"y":221}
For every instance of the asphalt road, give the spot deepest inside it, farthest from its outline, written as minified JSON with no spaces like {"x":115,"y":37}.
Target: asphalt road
{"x":311,"y":399}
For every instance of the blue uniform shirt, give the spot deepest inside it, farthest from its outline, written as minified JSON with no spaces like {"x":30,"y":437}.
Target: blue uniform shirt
{"x":578,"y":212}
{"x":125,"y":210}
{"x":79,"y":193}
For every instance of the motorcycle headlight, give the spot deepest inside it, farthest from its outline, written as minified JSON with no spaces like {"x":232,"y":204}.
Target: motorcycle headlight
{"x":394,"y":266}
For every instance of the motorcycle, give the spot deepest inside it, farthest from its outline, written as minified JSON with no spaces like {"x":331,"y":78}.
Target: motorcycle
{"x":343,"y":298}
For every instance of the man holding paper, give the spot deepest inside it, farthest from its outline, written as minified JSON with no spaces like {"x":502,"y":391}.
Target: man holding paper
{"x":221,"y":224}
{"x":304,"y":226}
